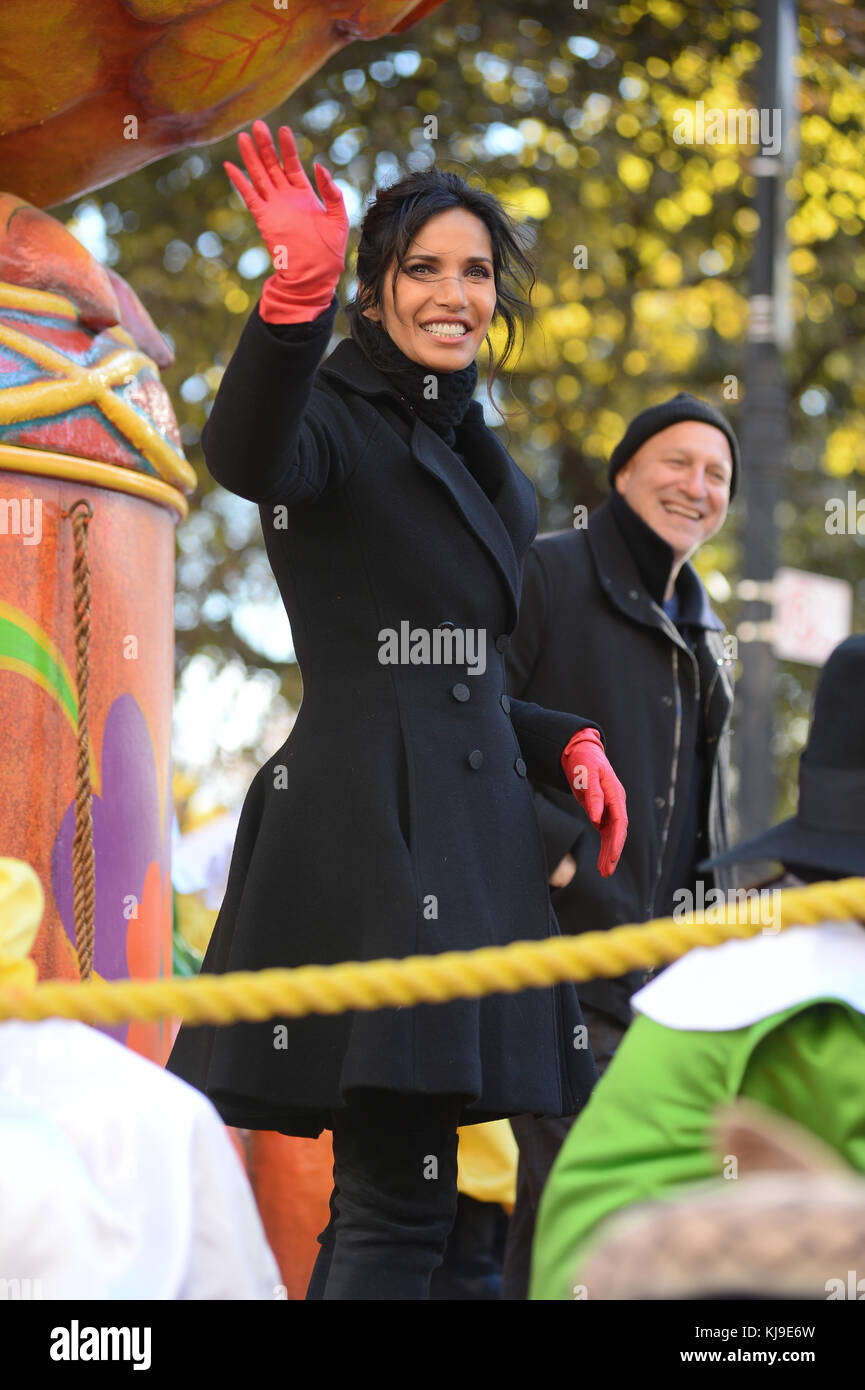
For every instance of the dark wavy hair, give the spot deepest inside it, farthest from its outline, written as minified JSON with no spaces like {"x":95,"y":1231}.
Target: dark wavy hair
{"x":397,"y":214}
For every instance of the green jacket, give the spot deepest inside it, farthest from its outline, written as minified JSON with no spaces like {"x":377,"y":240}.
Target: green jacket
{"x":645,"y":1129}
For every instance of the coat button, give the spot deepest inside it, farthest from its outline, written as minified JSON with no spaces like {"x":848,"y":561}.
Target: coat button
{"x":461,"y":693}
{"x":666,"y":699}
{"x":506,"y":704}
{"x":476,"y":758}
{"x":520,"y":767}
{"x":633,"y":593}
{"x":502,"y":642}
{"x":660,"y":803}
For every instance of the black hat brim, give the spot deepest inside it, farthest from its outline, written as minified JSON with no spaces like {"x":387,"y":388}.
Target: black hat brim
{"x":790,"y":842}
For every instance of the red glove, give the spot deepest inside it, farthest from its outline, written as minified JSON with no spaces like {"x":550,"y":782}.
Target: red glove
{"x":599,"y":792}
{"x":306,"y":241}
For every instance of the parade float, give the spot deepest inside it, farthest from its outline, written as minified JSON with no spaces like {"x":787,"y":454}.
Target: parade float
{"x":93,"y":482}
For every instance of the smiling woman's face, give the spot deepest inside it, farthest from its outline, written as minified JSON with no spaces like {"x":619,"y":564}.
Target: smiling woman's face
{"x":448,"y":277}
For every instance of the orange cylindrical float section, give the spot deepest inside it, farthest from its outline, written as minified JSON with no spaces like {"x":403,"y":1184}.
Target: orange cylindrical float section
{"x":84,"y":417}
{"x":130,"y":552}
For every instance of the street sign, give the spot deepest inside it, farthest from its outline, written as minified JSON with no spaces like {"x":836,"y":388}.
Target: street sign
{"x":811,"y":615}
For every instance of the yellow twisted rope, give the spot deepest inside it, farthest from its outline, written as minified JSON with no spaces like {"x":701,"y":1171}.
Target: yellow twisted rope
{"x":333,"y":989}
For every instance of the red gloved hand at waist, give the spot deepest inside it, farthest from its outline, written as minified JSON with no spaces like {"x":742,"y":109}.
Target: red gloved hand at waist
{"x":306,"y":241}
{"x":599,"y":792}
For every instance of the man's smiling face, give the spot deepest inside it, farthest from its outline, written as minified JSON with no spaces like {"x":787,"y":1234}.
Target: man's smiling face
{"x":679,"y":483}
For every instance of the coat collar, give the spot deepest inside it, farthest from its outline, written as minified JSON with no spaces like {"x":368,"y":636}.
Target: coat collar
{"x":506,"y":526}
{"x":620,"y":576}
{"x":350,"y":364}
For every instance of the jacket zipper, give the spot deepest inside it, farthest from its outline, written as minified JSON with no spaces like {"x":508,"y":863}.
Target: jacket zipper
{"x":715,"y":800}
{"x":711,"y":688}
{"x":673,"y":632}
{"x":677,"y":738}
{"x":714,"y":681}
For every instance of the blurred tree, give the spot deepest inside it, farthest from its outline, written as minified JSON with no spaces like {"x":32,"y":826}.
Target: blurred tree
{"x":641,"y":246}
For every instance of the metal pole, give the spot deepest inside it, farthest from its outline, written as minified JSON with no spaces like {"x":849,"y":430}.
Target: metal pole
{"x":765,"y":452}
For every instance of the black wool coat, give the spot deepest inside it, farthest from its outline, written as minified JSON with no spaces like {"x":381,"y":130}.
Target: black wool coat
{"x":397,"y":818}
{"x":591,"y":634}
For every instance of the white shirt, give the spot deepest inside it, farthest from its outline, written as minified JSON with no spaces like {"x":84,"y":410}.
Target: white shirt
{"x":118,"y":1180}
{"x":722,"y":987}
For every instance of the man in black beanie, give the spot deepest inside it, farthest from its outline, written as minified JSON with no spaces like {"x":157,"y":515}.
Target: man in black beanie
{"x":615,"y":621}
{"x":658,"y":418}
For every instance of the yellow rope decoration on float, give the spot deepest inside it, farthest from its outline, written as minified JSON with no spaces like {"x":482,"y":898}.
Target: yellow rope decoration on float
{"x":333,"y":989}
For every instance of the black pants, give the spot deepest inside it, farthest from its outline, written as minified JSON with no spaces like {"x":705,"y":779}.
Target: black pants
{"x":539,"y":1138}
{"x":394,"y":1196}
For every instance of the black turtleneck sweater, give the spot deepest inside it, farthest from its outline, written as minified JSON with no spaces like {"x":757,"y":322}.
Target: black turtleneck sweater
{"x":446,"y":411}
{"x":654,"y":560}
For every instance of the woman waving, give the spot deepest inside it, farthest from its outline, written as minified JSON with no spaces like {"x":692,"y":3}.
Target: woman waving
{"x":397,"y":817}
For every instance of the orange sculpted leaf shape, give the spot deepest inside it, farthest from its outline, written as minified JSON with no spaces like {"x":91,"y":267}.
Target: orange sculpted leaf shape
{"x":93,"y":89}
{"x":213,"y":56}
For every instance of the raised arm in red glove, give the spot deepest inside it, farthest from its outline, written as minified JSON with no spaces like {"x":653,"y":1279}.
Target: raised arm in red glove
{"x":306,"y":241}
{"x":599,"y":792}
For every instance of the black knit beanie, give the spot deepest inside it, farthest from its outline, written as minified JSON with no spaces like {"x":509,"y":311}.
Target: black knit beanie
{"x":658,"y":417}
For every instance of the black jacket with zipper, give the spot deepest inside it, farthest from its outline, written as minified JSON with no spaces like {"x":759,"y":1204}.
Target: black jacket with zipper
{"x":592,"y":635}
